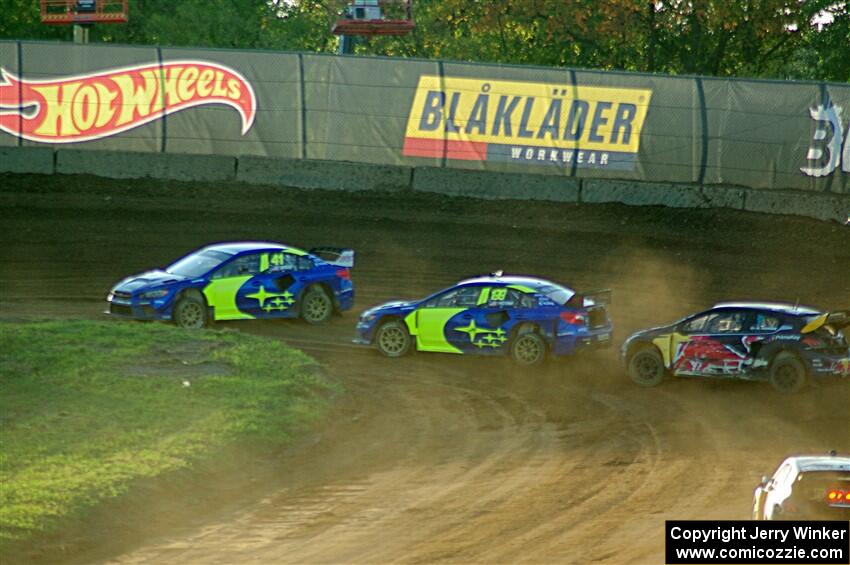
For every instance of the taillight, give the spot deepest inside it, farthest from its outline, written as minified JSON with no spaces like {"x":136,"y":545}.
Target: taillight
{"x":575,"y":318}
{"x":344,"y":274}
{"x":812,"y":342}
{"x":838,"y":496}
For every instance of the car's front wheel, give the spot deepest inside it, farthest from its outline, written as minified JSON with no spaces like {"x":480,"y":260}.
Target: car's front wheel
{"x":190,"y":312}
{"x":787,"y":373}
{"x":392,"y":339}
{"x":316,"y":306}
{"x":646,"y":367}
{"x":528,"y":349}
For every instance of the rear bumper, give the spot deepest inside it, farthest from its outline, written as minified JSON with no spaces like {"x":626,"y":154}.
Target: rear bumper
{"x":344,"y":299}
{"x":829,"y":365}
{"x":585,"y":340}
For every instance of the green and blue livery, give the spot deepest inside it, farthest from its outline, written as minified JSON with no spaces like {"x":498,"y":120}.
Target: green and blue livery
{"x":240,"y":281}
{"x":524,"y":317}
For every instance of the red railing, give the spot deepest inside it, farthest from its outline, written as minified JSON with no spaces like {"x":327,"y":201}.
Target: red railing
{"x":397,"y":19}
{"x":82,"y":12}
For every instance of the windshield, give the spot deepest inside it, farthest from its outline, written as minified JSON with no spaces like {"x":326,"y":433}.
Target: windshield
{"x":198,"y":264}
{"x":558,"y":294}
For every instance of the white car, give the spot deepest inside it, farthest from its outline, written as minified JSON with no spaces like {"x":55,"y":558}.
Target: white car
{"x":805,"y":487}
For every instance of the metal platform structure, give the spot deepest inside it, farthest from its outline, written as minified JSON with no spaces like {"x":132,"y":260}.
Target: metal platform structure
{"x":81,"y":12}
{"x":376,"y":17}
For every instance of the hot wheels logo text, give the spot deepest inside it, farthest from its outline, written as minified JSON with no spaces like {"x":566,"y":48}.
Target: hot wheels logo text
{"x":97,"y":105}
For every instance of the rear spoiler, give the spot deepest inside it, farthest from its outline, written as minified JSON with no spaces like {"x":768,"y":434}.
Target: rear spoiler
{"x":600,"y":297}
{"x":839,"y":319}
{"x":339,"y":256}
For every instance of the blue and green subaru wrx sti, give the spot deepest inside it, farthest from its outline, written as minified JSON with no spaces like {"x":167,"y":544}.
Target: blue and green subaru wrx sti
{"x":524,"y":317}
{"x":239,"y":281}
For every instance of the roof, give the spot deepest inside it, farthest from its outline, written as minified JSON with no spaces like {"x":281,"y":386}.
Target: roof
{"x":232,"y":248}
{"x":508,"y":279}
{"x":821,"y":463}
{"x":785,"y":308}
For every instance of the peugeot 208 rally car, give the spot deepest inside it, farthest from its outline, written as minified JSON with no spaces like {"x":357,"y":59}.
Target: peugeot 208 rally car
{"x":783,"y":343}
{"x":524,"y":317}
{"x":237,"y":281}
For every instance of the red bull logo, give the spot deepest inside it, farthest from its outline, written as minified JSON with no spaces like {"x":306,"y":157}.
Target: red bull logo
{"x":97,"y":105}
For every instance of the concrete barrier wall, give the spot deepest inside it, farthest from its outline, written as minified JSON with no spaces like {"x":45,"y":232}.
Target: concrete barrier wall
{"x":125,"y":165}
{"x":37,"y":160}
{"x":489,"y":185}
{"x":823,"y":207}
{"x":336,"y":175}
{"x":659,"y":194}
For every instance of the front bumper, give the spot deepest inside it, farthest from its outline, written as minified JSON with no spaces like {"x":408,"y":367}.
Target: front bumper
{"x":365,"y":332}
{"x":128,"y":308}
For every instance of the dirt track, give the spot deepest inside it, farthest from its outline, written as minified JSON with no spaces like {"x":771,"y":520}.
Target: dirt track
{"x":442,"y":458}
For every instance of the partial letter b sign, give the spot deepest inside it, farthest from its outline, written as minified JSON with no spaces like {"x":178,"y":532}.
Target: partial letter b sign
{"x":825,"y":153}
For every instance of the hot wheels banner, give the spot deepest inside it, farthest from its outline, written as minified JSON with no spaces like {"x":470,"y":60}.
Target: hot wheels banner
{"x":101,"y":104}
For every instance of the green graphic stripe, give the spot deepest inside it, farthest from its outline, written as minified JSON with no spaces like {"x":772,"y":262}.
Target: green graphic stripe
{"x":428,"y":324}
{"x":221,"y":295}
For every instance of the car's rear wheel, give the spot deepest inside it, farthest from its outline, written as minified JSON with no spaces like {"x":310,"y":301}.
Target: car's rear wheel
{"x":787,"y":373}
{"x":528,"y":349}
{"x":190,"y":312}
{"x":646,"y":367}
{"x":392,"y":339}
{"x":316,"y":306}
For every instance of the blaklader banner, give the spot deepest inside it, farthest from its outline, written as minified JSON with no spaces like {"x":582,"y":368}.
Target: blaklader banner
{"x":530,"y":120}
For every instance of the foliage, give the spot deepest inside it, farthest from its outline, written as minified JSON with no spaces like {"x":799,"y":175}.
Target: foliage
{"x":87,"y":408}
{"x":761,"y":38}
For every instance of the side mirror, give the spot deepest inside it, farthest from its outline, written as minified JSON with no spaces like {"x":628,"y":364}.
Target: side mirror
{"x":765,"y":480}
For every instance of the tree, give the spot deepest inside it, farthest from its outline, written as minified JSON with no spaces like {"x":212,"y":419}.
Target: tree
{"x":804,"y":39}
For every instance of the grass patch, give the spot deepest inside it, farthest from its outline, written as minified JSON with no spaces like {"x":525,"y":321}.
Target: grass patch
{"x":87,"y":408}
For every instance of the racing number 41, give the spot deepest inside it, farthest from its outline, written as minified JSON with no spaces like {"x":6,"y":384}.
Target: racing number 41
{"x":828,"y":116}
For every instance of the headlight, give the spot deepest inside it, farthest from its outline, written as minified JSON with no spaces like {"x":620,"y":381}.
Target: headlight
{"x":367,"y":317}
{"x":153,"y":294}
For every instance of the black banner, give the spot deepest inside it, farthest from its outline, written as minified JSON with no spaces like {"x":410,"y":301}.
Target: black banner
{"x":744,"y":541}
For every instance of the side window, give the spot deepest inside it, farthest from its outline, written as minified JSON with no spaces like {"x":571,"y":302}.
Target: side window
{"x":727,"y":322}
{"x":241,"y":266}
{"x":466,"y":297}
{"x":280,"y":261}
{"x":304,"y":263}
{"x":782,"y":475}
{"x":765,"y":323}
{"x":697,"y":325}
{"x":502,"y":297}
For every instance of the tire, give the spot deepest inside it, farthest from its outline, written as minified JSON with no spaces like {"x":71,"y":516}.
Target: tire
{"x":392,"y":339}
{"x":316,"y":306}
{"x":646,"y":367}
{"x":528,"y":349}
{"x":190,"y":312}
{"x":787,"y":373}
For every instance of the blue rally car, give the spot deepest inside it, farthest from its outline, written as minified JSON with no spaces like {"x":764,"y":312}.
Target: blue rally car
{"x":237,"y":281}
{"x":524,"y":317}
